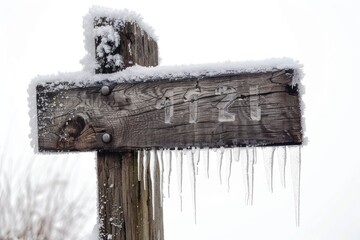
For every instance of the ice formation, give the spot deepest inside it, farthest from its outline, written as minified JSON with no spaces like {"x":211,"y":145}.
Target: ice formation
{"x":245,"y":156}
{"x":191,"y":164}
{"x":145,"y":167}
{"x":179,"y":169}
{"x":220,"y":155}
{"x":228,"y":161}
{"x":250,"y":173}
{"x":167,"y":168}
{"x":161,"y":169}
{"x":152,"y":178}
{"x":205,"y":155}
{"x":281,"y":156}
{"x":268,"y":156}
{"x":295,"y":162}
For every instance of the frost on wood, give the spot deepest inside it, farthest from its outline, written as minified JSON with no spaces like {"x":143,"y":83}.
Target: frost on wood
{"x":107,"y":41}
{"x":65,"y":82}
{"x":107,"y":27}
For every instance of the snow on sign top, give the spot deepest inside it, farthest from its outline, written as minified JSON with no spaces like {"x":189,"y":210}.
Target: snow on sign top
{"x":90,"y":33}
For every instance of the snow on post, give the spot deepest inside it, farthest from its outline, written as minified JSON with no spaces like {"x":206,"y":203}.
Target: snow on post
{"x":117,"y":39}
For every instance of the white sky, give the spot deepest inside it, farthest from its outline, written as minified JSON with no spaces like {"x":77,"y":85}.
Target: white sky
{"x":44,"y":37}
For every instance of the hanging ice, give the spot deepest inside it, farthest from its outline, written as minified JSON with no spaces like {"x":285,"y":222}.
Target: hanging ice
{"x":251,"y":162}
{"x":281,"y":155}
{"x":206,"y":160}
{"x":167,"y":168}
{"x":220,"y":155}
{"x":145,"y":167}
{"x":190,"y":160}
{"x":255,"y":154}
{"x":236,"y":154}
{"x":196,"y":152}
{"x":228,"y":161}
{"x":179,"y":168}
{"x":152,"y":178}
{"x":139,"y":165}
{"x":268,"y":156}
{"x":161,"y":170}
{"x":295,"y":162}
{"x":244,"y":168}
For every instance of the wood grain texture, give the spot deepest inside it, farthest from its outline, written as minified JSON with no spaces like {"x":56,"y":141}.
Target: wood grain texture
{"x":136,"y":116}
{"x":125,"y":209}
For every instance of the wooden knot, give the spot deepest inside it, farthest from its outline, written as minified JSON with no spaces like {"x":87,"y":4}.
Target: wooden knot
{"x":71,"y":130}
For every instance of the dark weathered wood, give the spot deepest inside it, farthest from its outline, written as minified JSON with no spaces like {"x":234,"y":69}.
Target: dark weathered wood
{"x":125,"y":206}
{"x":136,"y":116}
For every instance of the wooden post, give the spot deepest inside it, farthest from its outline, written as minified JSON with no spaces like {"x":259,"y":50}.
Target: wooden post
{"x":125,"y":206}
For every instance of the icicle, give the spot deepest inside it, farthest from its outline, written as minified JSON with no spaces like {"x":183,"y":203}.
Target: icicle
{"x":220,"y":155}
{"x":295,"y":162}
{"x":190,"y":160}
{"x":251,"y":161}
{"x":167,"y":167}
{"x":145,"y":167}
{"x":281,"y":155}
{"x":196,"y":152}
{"x":161,"y":170}
{"x":228,"y":167}
{"x":152,"y":178}
{"x":245,"y":166}
{"x":268,"y":155}
{"x":206,"y":161}
{"x":255,"y":154}
{"x":179,"y":168}
{"x":236,"y":154}
{"x":139,"y":164}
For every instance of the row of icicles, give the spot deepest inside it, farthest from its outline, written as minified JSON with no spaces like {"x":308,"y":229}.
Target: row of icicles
{"x":193,"y":156}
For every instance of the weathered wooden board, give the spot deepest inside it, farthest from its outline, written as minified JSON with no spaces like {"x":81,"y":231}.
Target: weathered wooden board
{"x":241,"y":109}
{"x":238,"y":109}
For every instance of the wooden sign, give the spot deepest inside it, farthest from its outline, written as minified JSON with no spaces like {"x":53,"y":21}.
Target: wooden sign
{"x":225,"y":110}
{"x":117,"y":117}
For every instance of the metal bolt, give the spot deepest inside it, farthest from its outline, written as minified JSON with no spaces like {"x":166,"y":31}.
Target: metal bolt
{"x":106,"y":138}
{"x":105,"y":90}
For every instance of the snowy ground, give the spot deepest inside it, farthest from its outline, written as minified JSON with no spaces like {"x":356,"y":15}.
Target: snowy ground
{"x":44,"y":37}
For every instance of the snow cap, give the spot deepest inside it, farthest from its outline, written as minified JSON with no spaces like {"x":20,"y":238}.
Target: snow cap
{"x":90,"y":32}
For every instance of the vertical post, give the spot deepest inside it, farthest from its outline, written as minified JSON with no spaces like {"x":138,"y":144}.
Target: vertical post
{"x":125,"y":205}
